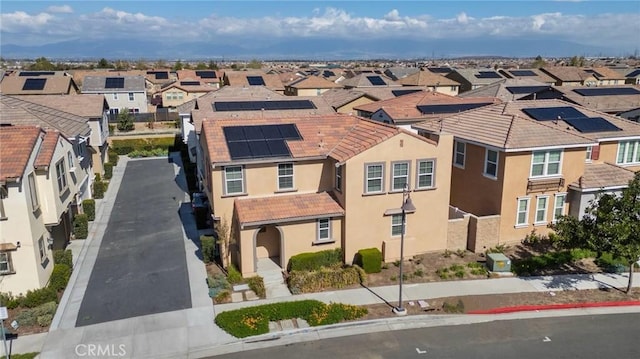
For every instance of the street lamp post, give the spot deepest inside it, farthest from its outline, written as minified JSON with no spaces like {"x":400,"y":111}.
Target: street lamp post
{"x":407,"y":206}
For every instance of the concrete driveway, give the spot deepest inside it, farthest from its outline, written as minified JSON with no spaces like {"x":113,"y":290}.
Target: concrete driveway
{"x":141,"y":267}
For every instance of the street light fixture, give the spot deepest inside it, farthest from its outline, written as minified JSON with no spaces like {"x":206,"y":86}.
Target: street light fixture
{"x":407,"y":206}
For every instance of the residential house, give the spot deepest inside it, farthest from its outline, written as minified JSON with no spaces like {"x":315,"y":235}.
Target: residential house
{"x":368,"y":80}
{"x":570,"y":76}
{"x":344,"y":100}
{"x":606,"y":76}
{"x":179,"y":92}
{"x":609,"y":99}
{"x":398,"y":73}
{"x":209,"y":77}
{"x":38,"y":83}
{"x":524,"y":163}
{"x":471,"y":79}
{"x":533,"y":74}
{"x":291,"y":185}
{"x":309,"y":86}
{"x":253,"y":78}
{"x":121,"y":92}
{"x":633,"y":77}
{"x":38,"y":188}
{"x":510,"y":89}
{"x":431,"y":81}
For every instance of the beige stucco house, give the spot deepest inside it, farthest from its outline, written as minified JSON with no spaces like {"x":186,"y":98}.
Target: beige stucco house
{"x":333,"y":181}
{"x":309,"y":86}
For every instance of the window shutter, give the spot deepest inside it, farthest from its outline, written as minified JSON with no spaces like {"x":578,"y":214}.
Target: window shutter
{"x":595,"y":152}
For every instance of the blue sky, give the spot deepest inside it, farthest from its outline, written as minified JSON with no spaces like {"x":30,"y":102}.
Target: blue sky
{"x":611,"y":24}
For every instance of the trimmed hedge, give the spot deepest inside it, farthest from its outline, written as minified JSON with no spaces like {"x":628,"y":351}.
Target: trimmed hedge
{"x":38,"y":297}
{"x":60,"y":277}
{"x":99,"y":188}
{"x":126,"y":146}
{"x":63,"y":257}
{"x":108,"y":170}
{"x":370,"y":260}
{"x":256,"y":284}
{"x":89,"y":207}
{"x":245,"y":322}
{"x":208,"y":248}
{"x":81,"y":226}
{"x":324,"y":279}
{"x":113,"y":157}
{"x":233,"y":275}
{"x":315,"y":260}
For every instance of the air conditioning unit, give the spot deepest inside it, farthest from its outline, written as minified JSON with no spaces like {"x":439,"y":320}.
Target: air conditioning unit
{"x":498,"y":262}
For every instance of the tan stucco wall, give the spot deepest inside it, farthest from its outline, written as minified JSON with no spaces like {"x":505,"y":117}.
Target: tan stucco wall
{"x":348,"y":107}
{"x":309,"y":92}
{"x":52,"y":201}
{"x":608,"y":152}
{"x":366,"y":225}
{"x":457,"y":233}
{"x":447,"y":90}
{"x":186,"y":97}
{"x":483,"y":233}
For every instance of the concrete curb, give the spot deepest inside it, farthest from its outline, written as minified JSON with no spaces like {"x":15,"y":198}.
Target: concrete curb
{"x":524,"y":308}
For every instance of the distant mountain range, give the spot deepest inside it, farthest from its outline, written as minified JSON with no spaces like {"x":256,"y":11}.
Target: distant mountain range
{"x":308,"y":49}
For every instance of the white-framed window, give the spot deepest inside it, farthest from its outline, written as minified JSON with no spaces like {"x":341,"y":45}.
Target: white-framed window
{"x":589,"y":153}
{"x":522,"y":215}
{"x":115,"y":95}
{"x":396,"y":225}
{"x":42,"y":249}
{"x":460,"y":150}
{"x":285,"y":176}
{"x":324,"y":229}
{"x":70,"y":160}
{"x":628,"y":152}
{"x":491,"y":163}
{"x":454,"y":88}
{"x":374,"y":178}
{"x":338,"y":183}
{"x":542,"y":203}
{"x":546,"y":163}
{"x":558,"y":205}
{"x":425,"y":173}
{"x":3,"y":195}
{"x":399,"y":176}
{"x":6,"y":265}
{"x":33,"y":192}
{"x":131,"y":96}
{"x":233,"y":180}
{"x":61,"y":175}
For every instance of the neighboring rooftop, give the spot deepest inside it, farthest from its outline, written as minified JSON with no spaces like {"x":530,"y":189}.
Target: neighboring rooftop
{"x":109,"y":84}
{"x":603,"y":175}
{"x":38,"y":85}
{"x":18,"y":143}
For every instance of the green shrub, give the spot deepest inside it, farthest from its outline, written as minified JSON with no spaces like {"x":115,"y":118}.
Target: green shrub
{"x":222,"y":296}
{"x":44,"y":320}
{"x":233,"y":275}
{"x":315,"y":260}
{"x":611,"y":265}
{"x":37,"y":297}
{"x":24,"y":356}
{"x":89,"y":208}
{"x":217,"y":283}
{"x":26,"y":318}
{"x":418,"y":272}
{"x":325,"y":278}
{"x":549,"y":260}
{"x":59,"y":277}
{"x":370,"y":260}
{"x":126,"y":146}
{"x":460,"y":273}
{"x":113,"y":157}
{"x":245,"y":322}
{"x":443,"y":273}
{"x":500,"y":248}
{"x":99,"y":188}
{"x":256,"y":284}
{"x":10,"y":301}
{"x":108,"y":170}
{"x":456,"y":267}
{"x":81,"y":226}
{"x":63,"y":257}
{"x":208,"y":248}
{"x":156,"y":152}
{"x":112,"y":130}
{"x":453,"y":308}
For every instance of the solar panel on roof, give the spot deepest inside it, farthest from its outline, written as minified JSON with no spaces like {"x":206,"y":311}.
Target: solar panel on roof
{"x":450,"y":108}
{"x":488,"y":75}
{"x":263,"y":105}
{"x":523,"y":73}
{"x":593,"y":72}
{"x":633,"y":73}
{"x":239,"y":150}
{"x":278,"y":148}
{"x":592,"y":124}
{"x":260,"y":141}
{"x":327,"y":73}
{"x":607,"y":91}
{"x":34,"y":84}
{"x":36,"y":73}
{"x":440,"y":70}
{"x":114,"y":83}
{"x":162,"y":75}
{"x":253,"y":133}
{"x":255,"y":80}
{"x":376,"y":80}
{"x":289,"y":132}
{"x":552,"y":113}
{"x":235,"y":133}
{"x":397,"y":93}
{"x":525,"y":89}
{"x":206,"y":74}
{"x":259,"y":148}
{"x":189,"y":83}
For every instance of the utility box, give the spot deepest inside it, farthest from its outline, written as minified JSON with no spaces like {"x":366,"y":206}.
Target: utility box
{"x":498,"y":262}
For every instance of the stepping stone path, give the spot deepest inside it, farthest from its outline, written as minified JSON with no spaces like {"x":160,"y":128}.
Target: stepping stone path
{"x":287,"y":324}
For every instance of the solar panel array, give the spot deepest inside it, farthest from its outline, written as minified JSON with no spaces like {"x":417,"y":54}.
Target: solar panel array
{"x":159,"y":75}
{"x":607,"y":91}
{"x":449,"y":108}
{"x":36,"y":73}
{"x":263,"y":105}
{"x":573,"y":117}
{"x":34,"y":84}
{"x":260,"y":141}
{"x":440,"y":70}
{"x":114,"y":83}
{"x":594,"y":73}
{"x":592,"y":124}
{"x":633,"y":73}
{"x":206,"y":74}
{"x":376,"y":81}
{"x":189,"y":83}
{"x":518,"y":90}
{"x":255,"y":81}
{"x":523,"y":73}
{"x":327,"y":73}
{"x":397,"y":93}
{"x":488,"y":75}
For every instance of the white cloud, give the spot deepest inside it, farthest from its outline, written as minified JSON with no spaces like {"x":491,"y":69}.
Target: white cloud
{"x":18,"y":21}
{"x":63,"y":9}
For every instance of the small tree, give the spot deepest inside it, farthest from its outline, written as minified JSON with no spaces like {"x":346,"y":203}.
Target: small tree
{"x":201,"y":66}
{"x":225,"y":235}
{"x":538,"y":62}
{"x":577,"y":61}
{"x":178,"y":66}
{"x":104,"y":64}
{"x":125,"y":120}
{"x":254,"y":64}
{"x":212,"y":65}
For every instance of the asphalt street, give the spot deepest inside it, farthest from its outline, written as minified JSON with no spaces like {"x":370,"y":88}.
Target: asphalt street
{"x":141,"y":266}
{"x":585,"y":337}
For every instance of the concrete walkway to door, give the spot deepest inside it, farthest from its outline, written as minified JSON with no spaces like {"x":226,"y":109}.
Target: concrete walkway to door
{"x":271,"y":272}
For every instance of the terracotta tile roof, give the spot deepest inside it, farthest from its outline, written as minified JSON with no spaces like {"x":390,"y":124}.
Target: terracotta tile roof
{"x":17,"y":111}
{"x":337,"y":136}
{"x":17,"y":145}
{"x":85,"y":105}
{"x":229,"y":92}
{"x":566,"y":73}
{"x":506,"y":128}
{"x":603,"y":175}
{"x":191,"y":74}
{"x":47,"y":149}
{"x":427,"y":78}
{"x":499,"y":89}
{"x":200,"y":87}
{"x":239,"y":78}
{"x":284,"y":208}
{"x":313,"y":82}
{"x":611,"y":104}
{"x":54,"y":85}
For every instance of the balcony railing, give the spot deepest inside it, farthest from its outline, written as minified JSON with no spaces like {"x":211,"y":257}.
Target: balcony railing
{"x":544,"y":184}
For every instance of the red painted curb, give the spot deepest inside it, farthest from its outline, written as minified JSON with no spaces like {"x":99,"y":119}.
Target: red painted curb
{"x":523,"y":308}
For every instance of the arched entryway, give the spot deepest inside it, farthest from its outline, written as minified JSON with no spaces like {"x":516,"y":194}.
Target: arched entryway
{"x":268,"y":243}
